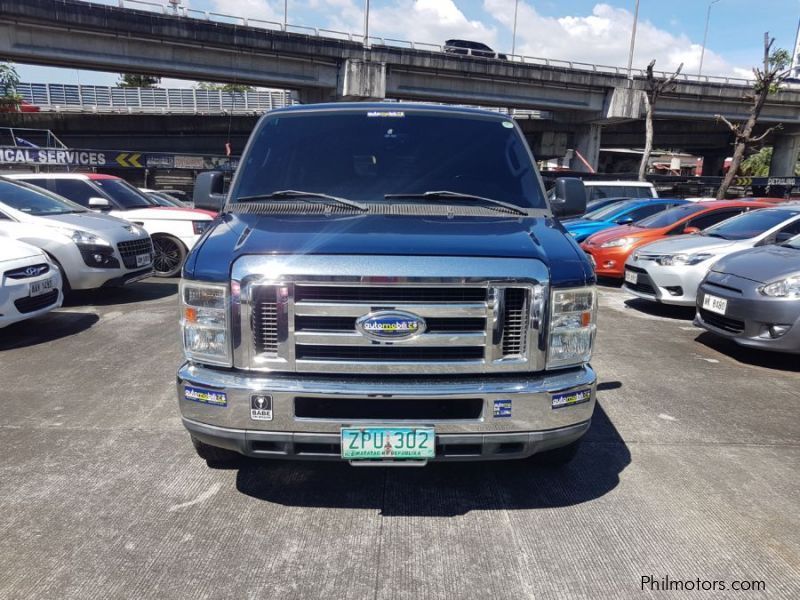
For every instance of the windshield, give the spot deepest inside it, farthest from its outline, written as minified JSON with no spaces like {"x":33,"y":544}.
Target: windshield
{"x":602,"y":214}
{"x":669,"y":217}
{"x":35,"y":202}
{"x":749,"y":225}
{"x":124,"y":194}
{"x":365,"y":155}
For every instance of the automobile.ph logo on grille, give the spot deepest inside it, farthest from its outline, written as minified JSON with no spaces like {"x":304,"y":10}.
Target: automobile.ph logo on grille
{"x":390,"y":325}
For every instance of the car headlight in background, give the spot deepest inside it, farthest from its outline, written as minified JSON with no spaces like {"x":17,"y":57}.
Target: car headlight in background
{"x":205,"y":322}
{"x":789,"y":287}
{"x":572,"y":326}
{"x":84,"y":238}
{"x":200,"y":227}
{"x":671,"y":260}
{"x":625,"y":241}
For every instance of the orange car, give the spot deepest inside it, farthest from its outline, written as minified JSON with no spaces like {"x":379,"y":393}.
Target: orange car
{"x":609,"y":249}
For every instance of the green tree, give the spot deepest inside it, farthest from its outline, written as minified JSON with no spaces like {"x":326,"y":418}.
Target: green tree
{"x":9,"y":80}
{"x":768,"y":80}
{"x":757,"y":165}
{"x":225,"y":87}
{"x":138,"y":81}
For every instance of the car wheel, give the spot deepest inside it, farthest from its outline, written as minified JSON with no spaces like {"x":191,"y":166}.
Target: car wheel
{"x":558,"y":457}
{"x":214,"y":456}
{"x":169,"y":255}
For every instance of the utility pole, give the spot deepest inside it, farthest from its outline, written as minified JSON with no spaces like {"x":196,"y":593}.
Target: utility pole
{"x":514,"y":35}
{"x":633,"y":38}
{"x":285,"y":14}
{"x":366,"y":23}
{"x":705,"y":36}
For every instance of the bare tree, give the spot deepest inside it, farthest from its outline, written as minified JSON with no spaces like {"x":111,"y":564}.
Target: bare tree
{"x":655,"y":87}
{"x":767,"y":80}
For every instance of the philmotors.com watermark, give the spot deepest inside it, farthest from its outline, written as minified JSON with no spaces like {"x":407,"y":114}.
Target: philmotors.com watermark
{"x":669,"y":584}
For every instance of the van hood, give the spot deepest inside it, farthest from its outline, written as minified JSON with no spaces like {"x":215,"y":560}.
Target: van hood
{"x":762,"y":264}
{"x":538,"y":238}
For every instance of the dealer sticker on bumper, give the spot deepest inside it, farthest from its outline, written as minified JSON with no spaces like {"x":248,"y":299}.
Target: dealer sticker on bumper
{"x":202,"y":396}
{"x":571,"y":398}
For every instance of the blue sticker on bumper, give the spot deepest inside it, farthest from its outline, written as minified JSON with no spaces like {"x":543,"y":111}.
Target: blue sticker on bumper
{"x":203,"y":396}
{"x":502,"y":409}
{"x":571,"y":398}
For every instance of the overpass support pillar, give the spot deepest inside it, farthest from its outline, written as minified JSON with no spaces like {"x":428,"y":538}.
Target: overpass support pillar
{"x":587,"y":144}
{"x":361,"y":80}
{"x":784,"y":155}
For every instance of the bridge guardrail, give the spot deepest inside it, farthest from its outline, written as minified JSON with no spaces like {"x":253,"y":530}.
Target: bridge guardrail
{"x":95,"y":98}
{"x":185,"y":11}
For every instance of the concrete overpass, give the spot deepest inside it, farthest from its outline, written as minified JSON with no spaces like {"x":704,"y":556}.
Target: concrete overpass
{"x":587,"y":100}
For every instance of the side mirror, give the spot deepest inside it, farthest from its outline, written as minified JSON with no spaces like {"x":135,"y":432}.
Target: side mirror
{"x":624,"y":221}
{"x":569,"y":198}
{"x":691,"y":230}
{"x":208,"y":191}
{"x":99,"y":204}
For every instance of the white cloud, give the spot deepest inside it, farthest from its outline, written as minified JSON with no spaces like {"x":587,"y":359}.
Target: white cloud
{"x":603,"y":37}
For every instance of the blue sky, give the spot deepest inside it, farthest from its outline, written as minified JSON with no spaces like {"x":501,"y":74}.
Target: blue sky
{"x":587,"y":30}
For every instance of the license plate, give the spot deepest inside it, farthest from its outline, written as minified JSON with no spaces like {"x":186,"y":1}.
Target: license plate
{"x":378,"y":443}
{"x":142,"y":260}
{"x":715,"y":304}
{"x":631,"y":277}
{"x":37,"y":288}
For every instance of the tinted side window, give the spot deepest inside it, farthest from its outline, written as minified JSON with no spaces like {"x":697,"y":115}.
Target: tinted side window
{"x":645,"y":211}
{"x":4,"y":217}
{"x":75,"y":190}
{"x":788,"y":232}
{"x":638,"y":192}
{"x":712,"y":218}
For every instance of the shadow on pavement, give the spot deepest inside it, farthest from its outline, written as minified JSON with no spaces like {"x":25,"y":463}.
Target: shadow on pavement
{"x":609,"y":282}
{"x":776,"y":361}
{"x":665,"y":311}
{"x":151,"y":289}
{"x":50,"y":327}
{"x":444,"y":489}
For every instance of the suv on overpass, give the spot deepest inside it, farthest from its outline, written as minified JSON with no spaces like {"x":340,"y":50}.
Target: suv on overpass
{"x":398,"y":294}
{"x":174,"y":230}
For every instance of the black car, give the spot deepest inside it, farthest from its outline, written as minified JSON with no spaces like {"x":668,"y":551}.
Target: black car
{"x":469,"y":48}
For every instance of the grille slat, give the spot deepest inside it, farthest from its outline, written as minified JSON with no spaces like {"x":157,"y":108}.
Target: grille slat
{"x":264,"y":320}
{"x":721,"y":321}
{"x":388,"y":353}
{"x":31,"y":304}
{"x":516,"y":314}
{"x":131,"y":249}
{"x":308,"y":293}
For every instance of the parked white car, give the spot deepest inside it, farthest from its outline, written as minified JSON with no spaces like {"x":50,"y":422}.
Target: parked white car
{"x":174,"y":230}
{"x":92,"y":250}
{"x":671,"y":270}
{"x":30,"y":283}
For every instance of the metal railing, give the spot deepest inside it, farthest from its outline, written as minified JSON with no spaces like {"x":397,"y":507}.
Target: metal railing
{"x":191,"y":13}
{"x":56,"y":97}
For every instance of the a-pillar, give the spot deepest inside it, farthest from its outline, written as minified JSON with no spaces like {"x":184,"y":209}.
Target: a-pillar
{"x":784,"y":155}
{"x":585,"y":148}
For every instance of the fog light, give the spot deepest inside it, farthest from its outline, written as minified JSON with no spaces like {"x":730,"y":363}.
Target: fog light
{"x":609,"y":263}
{"x":675,"y":290}
{"x":777,"y":331}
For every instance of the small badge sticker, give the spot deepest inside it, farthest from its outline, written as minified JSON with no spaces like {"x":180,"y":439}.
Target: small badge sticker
{"x":202,"y":396}
{"x":397,"y":114}
{"x":502,"y":409}
{"x":571,"y":398}
{"x":261,"y":407}
{"x":508,"y":124}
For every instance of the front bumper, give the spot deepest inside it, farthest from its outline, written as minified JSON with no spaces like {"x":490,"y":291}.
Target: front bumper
{"x":16,"y":304}
{"x":608,"y":262}
{"x":529,"y":425}
{"x":667,"y":284}
{"x":749,"y":315}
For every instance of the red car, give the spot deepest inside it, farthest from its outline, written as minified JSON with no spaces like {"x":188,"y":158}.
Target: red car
{"x":609,"y":249}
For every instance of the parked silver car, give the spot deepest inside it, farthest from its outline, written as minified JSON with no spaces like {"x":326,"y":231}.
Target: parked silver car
{"x":670,"y":270}
{"x":92,"y":250}
{"x":753,"y":297}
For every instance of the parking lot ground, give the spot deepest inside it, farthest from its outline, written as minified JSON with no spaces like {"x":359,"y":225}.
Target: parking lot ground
{"x":690,"y":471}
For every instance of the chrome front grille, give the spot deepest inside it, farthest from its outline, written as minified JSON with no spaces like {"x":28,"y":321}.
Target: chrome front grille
{"x":299,"y":322}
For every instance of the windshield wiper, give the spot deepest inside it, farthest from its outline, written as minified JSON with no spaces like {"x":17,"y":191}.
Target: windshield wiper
{"x":448,"y":195}
{"x":298,"y":195}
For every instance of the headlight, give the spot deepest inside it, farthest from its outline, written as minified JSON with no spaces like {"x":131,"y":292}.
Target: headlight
{"x":572,"y":327}
{"x":205,"y":322}
{"x":671,"y":260}
{"x":625,"y":241}
{"x":84,"y":238}
{"x":783,"y":288}
{"x":200,"y":227}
